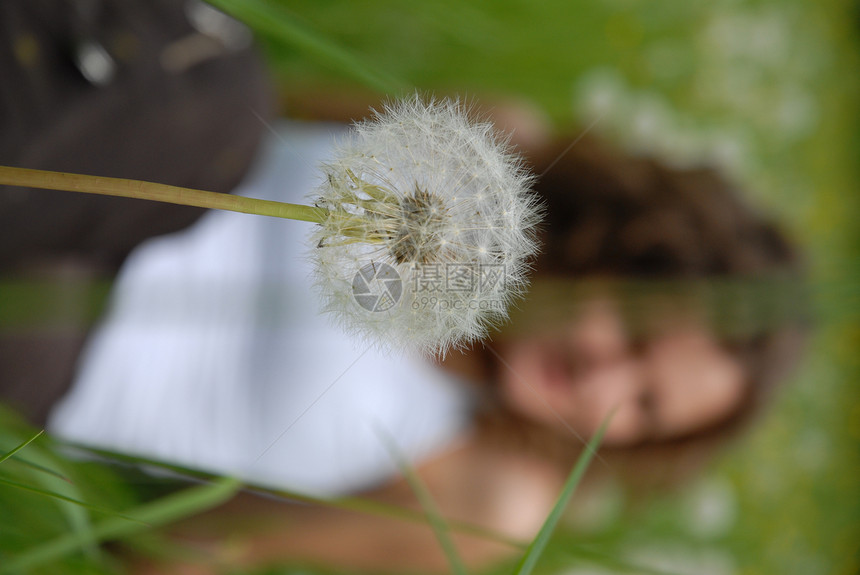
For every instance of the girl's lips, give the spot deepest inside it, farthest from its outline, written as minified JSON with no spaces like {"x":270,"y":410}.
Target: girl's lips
{"x":556,"y":370}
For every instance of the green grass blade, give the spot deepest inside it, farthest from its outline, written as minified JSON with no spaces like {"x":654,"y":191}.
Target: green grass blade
{"x":30,"y":464}
{"x":279,"y":24}
{"x":352,"y":504}
{"x":42,"y":468}
{"x":159,"y":512}
{"x":60,"y":496}
{"x":537,"y":546}
{"x":21,"y":446}
{"x":65,"y":494}
{"x":431,"y":511}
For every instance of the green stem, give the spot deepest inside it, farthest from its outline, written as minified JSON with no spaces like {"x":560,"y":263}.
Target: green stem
{"x":157,"y":192}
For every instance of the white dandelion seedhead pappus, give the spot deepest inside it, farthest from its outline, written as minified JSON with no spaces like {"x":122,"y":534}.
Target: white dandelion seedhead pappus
{"x":429,"y":231}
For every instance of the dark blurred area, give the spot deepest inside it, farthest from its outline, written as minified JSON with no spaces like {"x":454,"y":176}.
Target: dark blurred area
{"x":125,"y":89}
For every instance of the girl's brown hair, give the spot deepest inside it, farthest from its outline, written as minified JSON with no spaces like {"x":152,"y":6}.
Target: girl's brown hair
{"x":633,"y":221}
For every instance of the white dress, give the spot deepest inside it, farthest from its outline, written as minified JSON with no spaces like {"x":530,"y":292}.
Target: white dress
{"x":213,"y":355}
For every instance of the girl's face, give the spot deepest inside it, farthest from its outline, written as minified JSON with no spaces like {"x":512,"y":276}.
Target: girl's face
{"x":679,"y":381}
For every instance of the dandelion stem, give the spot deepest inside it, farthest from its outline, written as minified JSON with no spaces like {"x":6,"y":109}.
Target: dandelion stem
{"x":157,"y":192}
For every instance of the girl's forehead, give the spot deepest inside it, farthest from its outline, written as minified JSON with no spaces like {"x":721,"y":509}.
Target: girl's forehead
{"x":730,"y":308}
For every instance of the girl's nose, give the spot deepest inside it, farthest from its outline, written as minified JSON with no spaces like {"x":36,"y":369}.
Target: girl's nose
{"x":599,"y":335}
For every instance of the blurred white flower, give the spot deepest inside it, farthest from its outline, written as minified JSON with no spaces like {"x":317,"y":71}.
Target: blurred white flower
{"x":430,"y":228}
{"x":711,"y":508}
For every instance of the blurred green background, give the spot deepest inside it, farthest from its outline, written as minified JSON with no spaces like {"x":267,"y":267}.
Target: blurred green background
{"x":768,"y":90}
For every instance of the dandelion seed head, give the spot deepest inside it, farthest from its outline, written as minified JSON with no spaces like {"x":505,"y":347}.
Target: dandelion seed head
{"x":421,"y":188}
